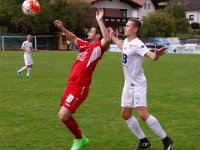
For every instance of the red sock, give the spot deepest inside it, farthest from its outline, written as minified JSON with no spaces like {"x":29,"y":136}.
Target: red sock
{"x":72,"y":125}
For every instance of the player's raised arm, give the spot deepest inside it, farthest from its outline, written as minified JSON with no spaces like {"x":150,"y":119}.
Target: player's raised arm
{"x":104,"y":31}
{"x":115,"y":39}
{"x":155,"y":55}
{"x":68,"y":34}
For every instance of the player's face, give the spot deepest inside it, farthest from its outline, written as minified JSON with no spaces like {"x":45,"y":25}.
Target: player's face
{"x":29,"y":38}
{"x":92,"y":34}
{"x":130,"y":28}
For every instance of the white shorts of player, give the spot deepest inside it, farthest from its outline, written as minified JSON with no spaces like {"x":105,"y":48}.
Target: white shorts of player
{"x":134,"y":96}
{"x":28,"y":59}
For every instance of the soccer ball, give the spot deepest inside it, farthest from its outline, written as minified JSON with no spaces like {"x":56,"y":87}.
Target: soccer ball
{"x":31,"y":7}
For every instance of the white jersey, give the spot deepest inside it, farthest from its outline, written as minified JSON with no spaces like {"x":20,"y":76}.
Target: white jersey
{"x":132,"y":59}
{"x":27,"y":46}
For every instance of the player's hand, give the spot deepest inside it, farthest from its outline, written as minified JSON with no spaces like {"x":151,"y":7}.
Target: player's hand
{"x":58,"y":24}
{"x":161,"y":51}
{"x":111,"y":33}
{"x":99,"y":14}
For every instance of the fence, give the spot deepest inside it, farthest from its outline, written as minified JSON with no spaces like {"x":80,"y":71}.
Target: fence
{"x":44,"y":42}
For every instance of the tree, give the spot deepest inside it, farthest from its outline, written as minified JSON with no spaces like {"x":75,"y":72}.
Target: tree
{"x":71,"y":12}
{"x":12,"y":18}
{"x":178,"y":12}
{"x":75,"y":15}
{"x":158,"y":24}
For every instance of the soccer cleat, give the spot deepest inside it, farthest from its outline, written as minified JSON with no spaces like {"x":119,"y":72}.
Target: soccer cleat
{"x":144,"y":144}
{"x":167,"y":142}
{"x":78,"y":144}
{"x":28,"y":76}
{"x":18,"y":73}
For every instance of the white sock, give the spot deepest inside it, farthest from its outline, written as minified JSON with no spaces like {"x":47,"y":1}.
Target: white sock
{"x":28,"y":71}
{"x":135,"y":127}
{"x":22,"y":69}
{"x":155,"y":126}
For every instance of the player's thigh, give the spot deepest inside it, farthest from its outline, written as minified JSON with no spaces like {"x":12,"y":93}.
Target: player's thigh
{"x":74,"y":96}
{"x":126,"y":99}
{"x":28,"y":60}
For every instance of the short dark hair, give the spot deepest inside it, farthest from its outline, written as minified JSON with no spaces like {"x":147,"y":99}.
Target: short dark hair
{"x":98,"y":31}
{"x":136,"y":22}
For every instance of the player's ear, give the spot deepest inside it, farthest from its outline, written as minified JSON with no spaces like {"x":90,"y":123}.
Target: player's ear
{"x":135,"y":29}
{"x":98,"y":36}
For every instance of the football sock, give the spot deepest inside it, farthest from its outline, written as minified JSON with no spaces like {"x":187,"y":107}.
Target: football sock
{"x":135,"y":127}
{"x":29,"y":71}
{"x":72,"y":125}
{"x":153,"y":123}
{"x":22,"y":69}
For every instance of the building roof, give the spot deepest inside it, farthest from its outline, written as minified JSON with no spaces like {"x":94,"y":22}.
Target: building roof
{"x":131,"y":2}
{"x":189,"y":5}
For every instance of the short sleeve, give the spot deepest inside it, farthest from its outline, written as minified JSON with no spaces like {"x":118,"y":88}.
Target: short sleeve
{"x":141,"y":49}
{"x":81,"y":42}
{"x":23,"y":44}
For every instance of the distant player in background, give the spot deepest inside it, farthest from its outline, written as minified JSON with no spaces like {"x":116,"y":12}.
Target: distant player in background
{"x":68,"y":44}
{"x":135,"y":87}
{"x":80,"y":78}
{"x":27,"y":47}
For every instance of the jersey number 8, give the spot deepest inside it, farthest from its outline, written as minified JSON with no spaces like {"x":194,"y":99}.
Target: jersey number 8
{"x":124,"y":58}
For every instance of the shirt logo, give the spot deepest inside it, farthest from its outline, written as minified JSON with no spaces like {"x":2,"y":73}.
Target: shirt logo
{"x":82,"y":55}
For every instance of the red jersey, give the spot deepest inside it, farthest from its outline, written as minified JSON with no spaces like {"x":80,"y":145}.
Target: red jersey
{"x":88,"y":56}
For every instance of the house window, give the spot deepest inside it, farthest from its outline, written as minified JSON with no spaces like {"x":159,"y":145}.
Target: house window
{"x":123,"y":13}
{"x":121,"y":29}
{"x":145,"y":5}
{"x":191,"y":17}
{"x":149,"y":5}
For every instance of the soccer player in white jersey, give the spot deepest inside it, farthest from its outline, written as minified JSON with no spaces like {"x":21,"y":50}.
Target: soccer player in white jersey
{"x":135,"y":87}
{"x":27,"y":47}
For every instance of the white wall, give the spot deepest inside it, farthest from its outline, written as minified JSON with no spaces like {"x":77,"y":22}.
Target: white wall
{"x":196,"y":15}
{"x":118,"y":5}
{"x":146,"y":9}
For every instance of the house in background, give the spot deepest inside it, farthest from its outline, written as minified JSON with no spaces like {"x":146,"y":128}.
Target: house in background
{"x":192,"y":8}
{"x":117,"y":12}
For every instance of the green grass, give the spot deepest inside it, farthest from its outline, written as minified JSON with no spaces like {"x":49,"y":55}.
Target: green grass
{"x":28,"y":110}
{"x":187,"y":35}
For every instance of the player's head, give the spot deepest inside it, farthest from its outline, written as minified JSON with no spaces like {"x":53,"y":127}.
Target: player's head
{"x":132,"y":27}
{"x":94,"y":34}
{"x":29,"y":38}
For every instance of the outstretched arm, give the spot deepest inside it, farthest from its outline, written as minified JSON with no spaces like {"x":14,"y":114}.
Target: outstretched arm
{"x":68,"y":34}
{"x":115,"y":39}
{"x":104,"y":31}
{"x":155,"y":55}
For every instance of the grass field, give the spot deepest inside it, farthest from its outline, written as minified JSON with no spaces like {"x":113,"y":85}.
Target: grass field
{"x":29,"y":106}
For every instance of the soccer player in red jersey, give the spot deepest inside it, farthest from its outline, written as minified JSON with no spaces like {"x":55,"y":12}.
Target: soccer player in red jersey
{"x":79,"y":80}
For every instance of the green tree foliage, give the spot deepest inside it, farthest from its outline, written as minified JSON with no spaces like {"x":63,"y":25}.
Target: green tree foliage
{"x":70,"y":12}
{"x":158,"y":24}
{"x":178,"y":12}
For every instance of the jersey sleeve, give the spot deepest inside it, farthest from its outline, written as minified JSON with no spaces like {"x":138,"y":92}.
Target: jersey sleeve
{"x":141,"y":49}
{"x":81,"y":42}
{"x":23,"y":44}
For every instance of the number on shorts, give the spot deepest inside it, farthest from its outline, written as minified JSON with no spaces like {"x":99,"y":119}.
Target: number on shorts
{"x":69,"y":98}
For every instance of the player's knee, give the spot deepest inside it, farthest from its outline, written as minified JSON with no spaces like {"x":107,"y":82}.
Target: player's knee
{"x":62,"y":117}
{"x":125,"y":115}
{"x":143,"y":116}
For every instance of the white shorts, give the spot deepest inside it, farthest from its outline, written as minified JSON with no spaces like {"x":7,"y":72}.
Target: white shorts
{"x":28,"y":59}
{"x":134,"y":96}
